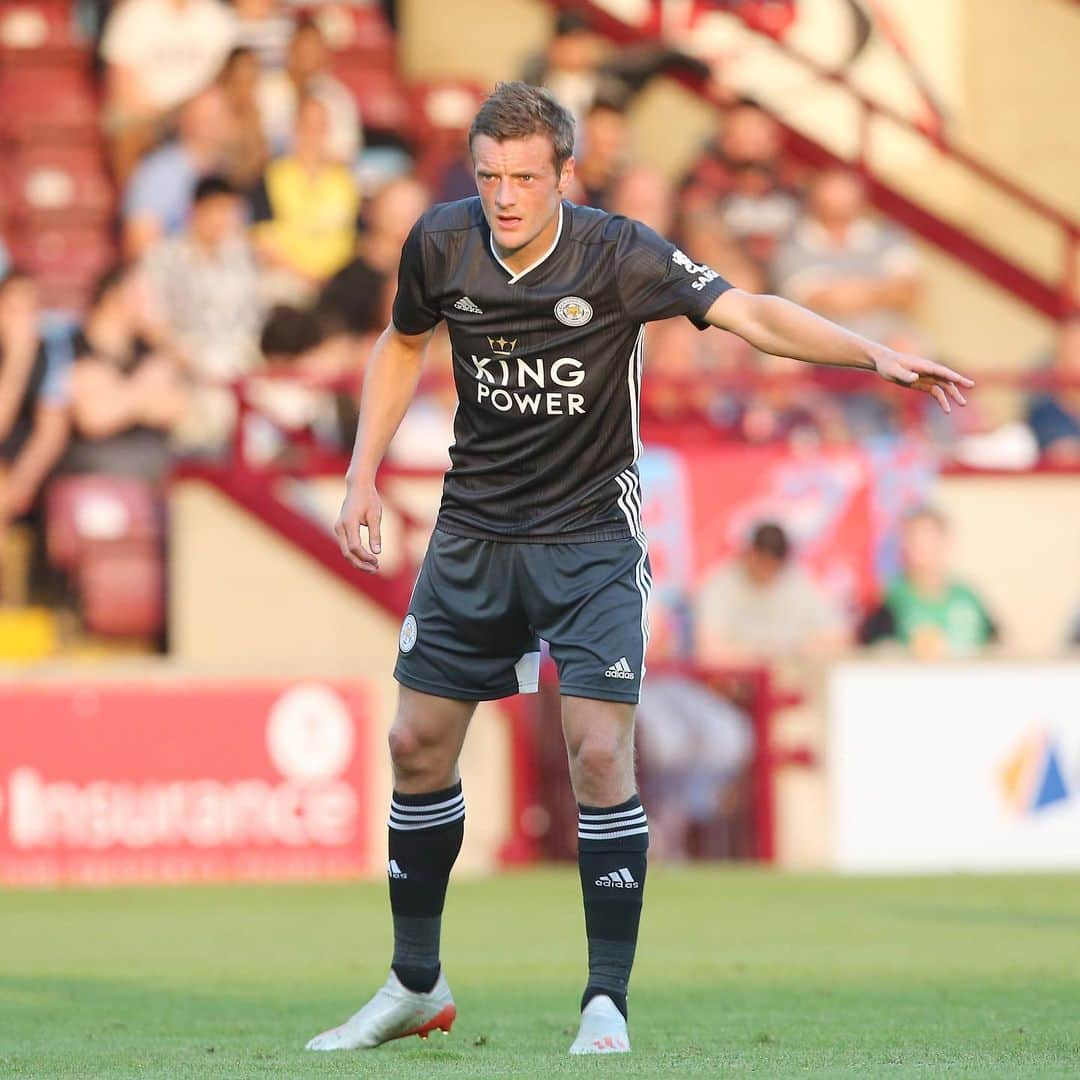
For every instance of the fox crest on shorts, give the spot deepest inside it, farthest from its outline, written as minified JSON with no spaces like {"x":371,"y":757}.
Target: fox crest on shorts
{"x":407,"y":637}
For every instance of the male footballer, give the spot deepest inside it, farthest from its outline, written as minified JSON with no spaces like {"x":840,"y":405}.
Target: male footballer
{"x":539,"y":533}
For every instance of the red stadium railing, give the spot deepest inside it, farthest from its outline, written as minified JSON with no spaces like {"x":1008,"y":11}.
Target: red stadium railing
{"x":1055,"y":298}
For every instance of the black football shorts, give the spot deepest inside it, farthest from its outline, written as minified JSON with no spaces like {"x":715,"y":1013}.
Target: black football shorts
{"x":480,"y":607}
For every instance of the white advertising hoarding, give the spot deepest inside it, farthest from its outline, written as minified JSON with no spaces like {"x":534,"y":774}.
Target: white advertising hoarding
{"x":965,"y":767}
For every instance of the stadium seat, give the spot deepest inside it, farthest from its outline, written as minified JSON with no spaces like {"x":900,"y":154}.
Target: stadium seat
{"x":40,"y":32}
{"x":122,"y":587}
{"x":84,"y":510}
{"x":56,"y":184}
{"x":380,"y":99}
{"x":42,"y":104}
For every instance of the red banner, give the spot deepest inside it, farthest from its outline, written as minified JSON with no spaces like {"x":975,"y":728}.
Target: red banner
{"x":182,"y":781}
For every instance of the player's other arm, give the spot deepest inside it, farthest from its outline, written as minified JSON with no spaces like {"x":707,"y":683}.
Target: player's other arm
{"x":389,"y":386}
{"x":774,"y":325}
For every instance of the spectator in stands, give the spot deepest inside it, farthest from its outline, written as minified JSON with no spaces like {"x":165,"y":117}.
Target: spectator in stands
{"x":33,"y":400}
{"x":245,"y":151}
{"x":205,"y":286}
{"x":126,"y":397}
{"x":925,"y":609}
{"x":570,"y":66}
{"x":159,"y":54}
{"x":305,"y":208}
{"x":743,"y":176}
{"x":646,"y":194}
{"x":308,"y":74}
{"x":604,"y":151}
{"x":265,"y":28}
{"x":158,"y":197}
{"x":761,"y":607}
{"x":358,"y":298}
{"x":858,"y":272}
{"x":1055,"y":416}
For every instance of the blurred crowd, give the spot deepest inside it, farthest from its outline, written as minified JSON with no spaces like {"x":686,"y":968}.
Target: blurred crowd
{"x":266,"y":176}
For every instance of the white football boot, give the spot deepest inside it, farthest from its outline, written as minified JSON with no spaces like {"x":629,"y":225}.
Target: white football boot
{"x":603,"y":1029}
{"x":392,"y":1013}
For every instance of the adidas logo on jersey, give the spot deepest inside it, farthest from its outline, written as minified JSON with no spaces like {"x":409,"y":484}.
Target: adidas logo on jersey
{"x":620,"y":670}
{"x":394,"y":870}
{"x":618,"y":879}
{"x":465,"y":304}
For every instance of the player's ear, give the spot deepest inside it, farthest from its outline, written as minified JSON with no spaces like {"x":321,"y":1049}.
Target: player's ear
{"x":566,"y":175}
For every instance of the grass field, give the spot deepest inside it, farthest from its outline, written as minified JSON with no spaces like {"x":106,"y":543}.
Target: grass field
{"x":738,"y":971}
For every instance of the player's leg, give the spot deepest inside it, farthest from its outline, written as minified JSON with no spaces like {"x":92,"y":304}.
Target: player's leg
{"x":426,"y":827}
{"x":589,"y":602}
{"x":613,"y":841}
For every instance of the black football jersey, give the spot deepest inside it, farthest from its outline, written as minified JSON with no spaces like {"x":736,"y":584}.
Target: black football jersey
{"x":547,"y":364}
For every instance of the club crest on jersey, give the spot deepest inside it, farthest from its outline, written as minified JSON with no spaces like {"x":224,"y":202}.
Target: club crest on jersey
{"x":573,"y":311}
{"x":407,"y":637}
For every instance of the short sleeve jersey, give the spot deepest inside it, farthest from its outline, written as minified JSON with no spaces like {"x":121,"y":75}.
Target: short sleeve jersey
{"x":547,"y":365}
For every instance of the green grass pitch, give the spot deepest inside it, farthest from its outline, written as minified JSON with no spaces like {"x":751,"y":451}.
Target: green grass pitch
{"x":739,"y":971}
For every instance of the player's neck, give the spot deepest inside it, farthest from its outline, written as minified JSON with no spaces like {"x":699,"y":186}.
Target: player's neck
{"x":523,"y":257}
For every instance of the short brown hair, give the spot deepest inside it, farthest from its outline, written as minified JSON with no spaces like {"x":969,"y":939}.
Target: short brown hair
{"x":516,"y":110}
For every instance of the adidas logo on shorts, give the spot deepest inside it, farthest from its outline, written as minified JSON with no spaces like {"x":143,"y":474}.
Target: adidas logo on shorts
{"x":618,"y":879}
{"x":394,"y":870}
{"x":620,"y":670}
{"x":465,"y":304}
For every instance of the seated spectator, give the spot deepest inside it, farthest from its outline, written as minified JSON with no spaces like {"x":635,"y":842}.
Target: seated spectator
{"x":265,"y":28}
{"x":158,"y":197}
{"x":1054,"y":417}
{"x":647,"y":195}
{"x":840,"y":262}
{"x":126,"y":397}
{"x":925,"y":610}
{"x":358,"y":298}
{"x":571,"y":66}
{"x":761,"y":607}
{"x":305,"y":207}
{"x":743,"y":176}
{"x":33,"y":405}
{"x":604,"y":151}
{"x":205,"y":287}
{"x":245,"y":151}
{"x":307,"y":74}
{"x":860,"y":273}
{"x":159,"y":53}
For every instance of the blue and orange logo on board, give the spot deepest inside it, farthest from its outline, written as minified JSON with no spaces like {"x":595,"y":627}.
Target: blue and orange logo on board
{"x":1032,"y":778}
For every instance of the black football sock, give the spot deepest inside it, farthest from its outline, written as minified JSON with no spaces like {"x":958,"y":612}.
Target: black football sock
{"x":613,"y":842}
{"x":425,"y":837}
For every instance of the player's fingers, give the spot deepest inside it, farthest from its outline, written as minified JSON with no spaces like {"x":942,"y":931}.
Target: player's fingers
{"x":374,"y":528}
{"x":358,"y":555}
{"x":343,"y":540}
{"x":939,"y":396}
{"x":940,"y":371}
{"x":954,"y":392}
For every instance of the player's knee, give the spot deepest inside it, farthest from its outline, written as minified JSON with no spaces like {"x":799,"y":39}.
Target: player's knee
{"x":600,"y":760}
{"x":412,"y":754}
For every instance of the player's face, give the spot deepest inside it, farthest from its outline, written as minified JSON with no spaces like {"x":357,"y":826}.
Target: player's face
{"x":520,"y":190}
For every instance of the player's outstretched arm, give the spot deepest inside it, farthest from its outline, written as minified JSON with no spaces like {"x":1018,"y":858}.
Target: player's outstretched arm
{"x":777,"y":326}
{"x":389,"y":386}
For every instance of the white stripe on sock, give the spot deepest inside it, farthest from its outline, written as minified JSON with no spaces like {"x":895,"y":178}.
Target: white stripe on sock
{"x":425,"y":808}
{"x":412,"y":826}
{"x":614,"y":835}
{"x":614,"y":814}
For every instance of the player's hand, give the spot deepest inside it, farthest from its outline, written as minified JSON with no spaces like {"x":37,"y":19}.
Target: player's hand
{"x":915,"y":372}
{"x":362,"y":506}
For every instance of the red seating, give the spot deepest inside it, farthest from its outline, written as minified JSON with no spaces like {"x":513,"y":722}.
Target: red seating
{"x":380,"y":99}
{"x":107,"y":532}
{"x":48,"y":104}
{"x":40,"y":32}
{"x":83,"y":510}
{"x":57,"y":184}
{"x":122,"y":588}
